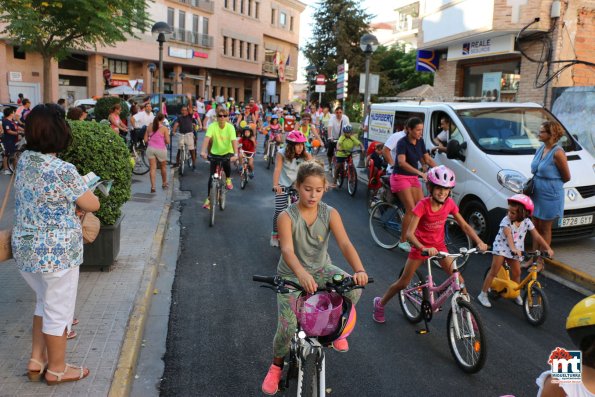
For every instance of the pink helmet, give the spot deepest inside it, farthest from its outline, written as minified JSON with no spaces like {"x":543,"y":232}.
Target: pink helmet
{"x":523,"y":200}
{"x":442,"y":176}
{"x":296,"y":137}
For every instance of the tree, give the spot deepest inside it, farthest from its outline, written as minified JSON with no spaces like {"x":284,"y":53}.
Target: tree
{"x":54,"y":28}
{"x":338,"y":26}
{"x":397,"y":70}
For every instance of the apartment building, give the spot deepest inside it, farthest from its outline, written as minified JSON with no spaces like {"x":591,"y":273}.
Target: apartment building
{"x":479,"y":57}
{"x":229,"y":48}
{"x":401,"y":27}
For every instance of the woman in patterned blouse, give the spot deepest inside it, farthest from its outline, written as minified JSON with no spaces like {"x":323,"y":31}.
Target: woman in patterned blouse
{"x":47,"y":239}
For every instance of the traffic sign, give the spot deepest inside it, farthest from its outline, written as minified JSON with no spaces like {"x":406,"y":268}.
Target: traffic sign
{"x":319,"y":88}
{"x":320,"y":79}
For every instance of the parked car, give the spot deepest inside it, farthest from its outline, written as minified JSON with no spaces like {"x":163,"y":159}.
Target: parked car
{"x":173,"y":102}
{"x":490,"y":150}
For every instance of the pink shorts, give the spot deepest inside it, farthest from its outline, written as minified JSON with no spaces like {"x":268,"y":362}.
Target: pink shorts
{"x":402,"y":182}
{"x":416,"y":254}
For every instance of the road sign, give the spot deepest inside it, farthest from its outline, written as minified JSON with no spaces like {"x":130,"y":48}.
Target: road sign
{"x":320,"y":79}
{"x":319,"y":88}
{"x":374,"y":82}
{"x":342,"y":78}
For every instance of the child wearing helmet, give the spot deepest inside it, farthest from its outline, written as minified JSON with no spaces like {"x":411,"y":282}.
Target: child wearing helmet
{"x":510,"y":243}
{"x":286,"y":164}
{"x":426,"y":233}
{"x":304,"y":229}
{"x":580,"y":326}
{"x":247,"y":143}
{"x":274,"y":132}
{"x":347,"y":141}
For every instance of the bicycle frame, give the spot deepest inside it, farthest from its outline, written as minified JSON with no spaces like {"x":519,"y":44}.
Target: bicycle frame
{"x":508,"y":288}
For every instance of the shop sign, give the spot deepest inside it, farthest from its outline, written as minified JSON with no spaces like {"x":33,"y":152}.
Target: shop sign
{"x":119,"y":82}
{"x":198,"y":54}
{"x":482,"y":47}
{"x":180,"y":53}
{"x":381,"y":124}
{"x":15,"y":76}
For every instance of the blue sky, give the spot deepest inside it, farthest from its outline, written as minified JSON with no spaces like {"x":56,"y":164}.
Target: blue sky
{"x":374,"y":7}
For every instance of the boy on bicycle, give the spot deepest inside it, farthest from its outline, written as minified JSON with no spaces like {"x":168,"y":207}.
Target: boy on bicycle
{"x":345,"y":146}
{"x":426,"y":233}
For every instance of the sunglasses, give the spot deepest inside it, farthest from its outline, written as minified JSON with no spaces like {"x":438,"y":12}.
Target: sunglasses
{"x":222,"y":115}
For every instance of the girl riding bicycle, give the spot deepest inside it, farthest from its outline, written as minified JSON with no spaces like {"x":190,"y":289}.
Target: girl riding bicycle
{"x":510,"y":243}
{"x":248,"y":144}
{"x":304,"y":231}
{"x":426,"y":232}
{"x":274,"y":132}
{"x":286,"y":165}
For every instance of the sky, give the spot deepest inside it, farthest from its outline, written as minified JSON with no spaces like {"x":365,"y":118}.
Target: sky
{"x":374,"y":7}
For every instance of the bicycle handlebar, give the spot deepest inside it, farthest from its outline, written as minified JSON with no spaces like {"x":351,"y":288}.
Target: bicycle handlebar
{"x":463,"y":252}
{"x":279,"y":284}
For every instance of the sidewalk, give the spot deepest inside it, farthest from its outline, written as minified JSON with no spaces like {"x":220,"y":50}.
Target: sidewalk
{"x":104,"y":307}
{"x":574,"y":261}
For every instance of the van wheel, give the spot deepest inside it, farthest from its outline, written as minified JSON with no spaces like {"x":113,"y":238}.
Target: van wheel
{"x":476,"y":215}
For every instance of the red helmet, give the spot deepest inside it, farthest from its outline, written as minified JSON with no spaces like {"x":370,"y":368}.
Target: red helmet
{"x":525,"y":201}
{"x":296,"y":137}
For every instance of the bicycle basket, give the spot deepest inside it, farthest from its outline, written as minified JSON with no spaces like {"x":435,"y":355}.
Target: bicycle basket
{"x":319,"y":314}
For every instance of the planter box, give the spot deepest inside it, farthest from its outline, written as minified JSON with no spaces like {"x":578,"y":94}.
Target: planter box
{"x":101,"y":253}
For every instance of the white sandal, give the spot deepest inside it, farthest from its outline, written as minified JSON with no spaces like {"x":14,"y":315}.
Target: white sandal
{"x":33,"y":375}
{"x":59,"y":375}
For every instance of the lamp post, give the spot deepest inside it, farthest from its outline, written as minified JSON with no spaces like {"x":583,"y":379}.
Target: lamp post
{"x":161,"y":28}
{"x":152,"y":67}
{"x":368,"y":43}
{"x":310,"y":72}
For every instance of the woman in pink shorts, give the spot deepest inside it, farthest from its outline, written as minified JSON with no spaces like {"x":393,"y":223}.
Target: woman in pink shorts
{"x":404,"y":181}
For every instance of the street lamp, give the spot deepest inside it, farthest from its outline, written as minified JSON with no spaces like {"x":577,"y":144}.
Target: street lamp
{"x":310,"y":72}
{"x":368,"y":43}
{"x":161,"y":28}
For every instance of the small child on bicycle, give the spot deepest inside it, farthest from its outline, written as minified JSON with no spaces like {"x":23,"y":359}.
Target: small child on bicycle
{"x":304,"y":230}
{"x":347,"y":141}
{"x":510,"y":243}
{"x":426,"y":233}
{"x":286,"y":164}
{"x":274,"y":132}
{"x":248,"y":144}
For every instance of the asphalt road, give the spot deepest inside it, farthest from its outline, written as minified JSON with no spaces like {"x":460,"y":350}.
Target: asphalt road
{"x":222,"y":324}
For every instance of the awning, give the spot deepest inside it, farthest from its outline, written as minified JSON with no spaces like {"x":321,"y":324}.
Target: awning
{"x":194,"y":76}
{"x":124,"y":90}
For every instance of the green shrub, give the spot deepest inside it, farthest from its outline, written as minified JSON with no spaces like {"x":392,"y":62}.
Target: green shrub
{"x":104,"y":105}
{"x":95,"y":148}
{"x":354,"y":109}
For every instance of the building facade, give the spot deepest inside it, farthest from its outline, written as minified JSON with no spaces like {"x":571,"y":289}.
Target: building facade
{"x":229,"y":48}
{"x":479,"y":56}
{"x":402,"y":28}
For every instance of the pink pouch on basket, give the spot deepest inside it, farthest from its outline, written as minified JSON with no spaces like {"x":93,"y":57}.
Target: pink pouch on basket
{"x":319,"y":314}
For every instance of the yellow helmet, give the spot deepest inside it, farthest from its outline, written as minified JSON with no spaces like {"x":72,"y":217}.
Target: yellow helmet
{"x":580,"y":323}
{"x":243,"y":123}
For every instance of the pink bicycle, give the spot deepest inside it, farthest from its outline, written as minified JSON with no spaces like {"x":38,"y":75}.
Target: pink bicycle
{"x":464,"y":330}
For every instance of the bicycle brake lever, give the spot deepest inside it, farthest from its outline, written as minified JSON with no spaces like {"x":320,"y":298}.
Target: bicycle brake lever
{"x":269,"y":287}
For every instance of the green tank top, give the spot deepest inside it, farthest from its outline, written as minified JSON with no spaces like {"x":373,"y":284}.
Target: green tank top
{"x":310,"y":244}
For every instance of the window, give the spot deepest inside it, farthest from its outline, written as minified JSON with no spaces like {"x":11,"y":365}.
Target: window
{"x":241,"y":54}
{"x":205,"y":25}
{"x":234,"y":4}
{"x":182,"y":20}
{"x":249,"y":8}
{"x":273,"y":16}
{"x":170,"y":16}
{"x":256,"y":52}
{"x":242,"y":6}
{"x":118,"y":66}
{"x":291,"y":23}
{"x":282,"y":19}
{"x":224,"y":45}
{"x":195,"y":23}
{"x":74,"y":62}
{"x":18,"y":54}
{"x":226,"y":4}
{"x":248,"y":50}
{"x":257,"y":10}
{"x":269,"y":56}
{"x":233,"y":47}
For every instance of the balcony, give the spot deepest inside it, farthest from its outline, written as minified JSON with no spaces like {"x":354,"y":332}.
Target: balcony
{"x":204,"y":5}
{"x":197,"y":39}
{"x":270,"y":69}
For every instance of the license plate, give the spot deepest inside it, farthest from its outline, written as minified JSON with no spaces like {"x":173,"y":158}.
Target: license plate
{"x":576,"y":221}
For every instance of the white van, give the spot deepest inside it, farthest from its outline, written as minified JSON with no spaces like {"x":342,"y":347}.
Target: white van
{"x":490,"y":151}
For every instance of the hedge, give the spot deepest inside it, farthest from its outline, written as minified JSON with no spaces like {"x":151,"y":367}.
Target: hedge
{"x":104,"y":105}
{"x":96,"y":148}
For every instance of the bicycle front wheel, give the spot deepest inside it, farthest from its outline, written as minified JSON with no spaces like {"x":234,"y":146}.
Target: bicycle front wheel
{"x":213,"y":200}
{"x":222,"y":192}
{"x":269,"y":156}
{"x":243,"y":178}
{"x":410,"y":302}
{"x":352,"y":180}
{"x":183,"y":155}
{"x":535,"y":305}
{"x":466,"y":337}
{"x":385,"y":224}
{"x":310,"y":381}
{"x":455,"y":239}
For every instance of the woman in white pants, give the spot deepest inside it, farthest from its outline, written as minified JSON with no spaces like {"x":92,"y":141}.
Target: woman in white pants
{"x":47,"y":239}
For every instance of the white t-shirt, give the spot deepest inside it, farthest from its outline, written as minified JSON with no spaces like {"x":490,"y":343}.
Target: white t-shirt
{"x":211,"y":116}
{"x":443,"y":136}
{"x":142,"y":119}
{"x":335,"y":126}
{"x":200,"y":107}
{"x":391,"y":143}
{"x":500,"y":246}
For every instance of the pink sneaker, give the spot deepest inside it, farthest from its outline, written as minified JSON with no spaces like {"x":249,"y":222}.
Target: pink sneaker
{"x":341,"y":345}
{"x":228,"y":184}
{"x":378,"y":315}
{"x":270,"y":385}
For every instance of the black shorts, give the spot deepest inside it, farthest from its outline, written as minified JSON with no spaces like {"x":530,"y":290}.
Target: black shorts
{"x":330,"y":148}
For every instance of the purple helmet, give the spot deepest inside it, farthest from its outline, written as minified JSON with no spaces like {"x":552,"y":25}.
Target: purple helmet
{"x":442,"y":176}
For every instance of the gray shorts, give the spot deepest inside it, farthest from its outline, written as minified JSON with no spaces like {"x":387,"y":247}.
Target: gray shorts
{"x":159,"y":154}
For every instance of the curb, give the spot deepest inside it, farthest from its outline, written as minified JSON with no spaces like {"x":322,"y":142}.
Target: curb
{"x":575,"y":276}
{"x":123,"y":375}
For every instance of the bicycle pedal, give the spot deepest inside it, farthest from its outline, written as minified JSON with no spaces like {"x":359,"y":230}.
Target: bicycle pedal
{"x":422,"y":331}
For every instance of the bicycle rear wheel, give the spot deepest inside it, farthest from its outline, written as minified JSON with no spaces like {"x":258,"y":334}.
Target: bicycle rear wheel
{"x":455,"y":239}
{"x":535,"y":305}
{"x":351,"y":180}
{"x":385,"y":224}
{"x":411,"y":308}
{"x":213,"y":201}
{"x":310,"y":380}
{"x":243,"y":178}
{"x":468,"y":345}
{"x":183,"y":154}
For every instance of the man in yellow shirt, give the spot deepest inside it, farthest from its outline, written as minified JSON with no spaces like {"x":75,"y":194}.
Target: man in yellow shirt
{"x":222,"y":137}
